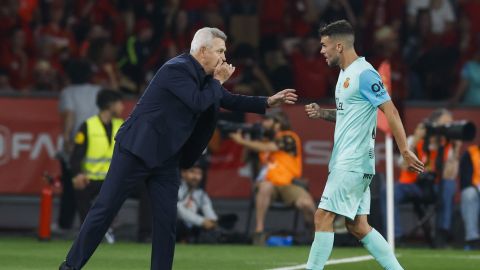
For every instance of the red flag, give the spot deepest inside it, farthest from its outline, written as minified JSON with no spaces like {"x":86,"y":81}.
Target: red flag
{"x":385,"y":73}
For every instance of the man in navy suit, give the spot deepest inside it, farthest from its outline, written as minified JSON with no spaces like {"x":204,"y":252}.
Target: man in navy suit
{"x":168,"y":129}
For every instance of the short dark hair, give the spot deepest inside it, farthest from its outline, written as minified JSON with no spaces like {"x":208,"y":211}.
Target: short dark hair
{"x":337,"y":28}
{"x":106,"y":97}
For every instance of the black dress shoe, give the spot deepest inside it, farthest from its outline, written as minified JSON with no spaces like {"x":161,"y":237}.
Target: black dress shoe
{"x":65,"y":266}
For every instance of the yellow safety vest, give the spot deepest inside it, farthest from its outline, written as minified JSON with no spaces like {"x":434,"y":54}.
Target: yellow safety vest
{"x":99,"y":149}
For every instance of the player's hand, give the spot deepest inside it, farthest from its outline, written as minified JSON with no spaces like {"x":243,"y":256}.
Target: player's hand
{"x":413,"y":163}
{"x":223,"y":71}
{"x":286,"y":96}
{"x":312,"y":110}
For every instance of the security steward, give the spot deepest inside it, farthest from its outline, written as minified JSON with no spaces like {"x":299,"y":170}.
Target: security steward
{"x":93,"y":151}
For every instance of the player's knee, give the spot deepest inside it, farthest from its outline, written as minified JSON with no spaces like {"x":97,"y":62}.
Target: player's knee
{"x":359,"y":230}
{"x":323,"y":220}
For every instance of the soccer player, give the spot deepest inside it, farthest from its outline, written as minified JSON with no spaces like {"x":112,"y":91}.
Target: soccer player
{"x":359,"y":91}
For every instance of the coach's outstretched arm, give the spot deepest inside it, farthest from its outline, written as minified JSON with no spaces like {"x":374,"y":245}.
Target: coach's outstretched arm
{"x":395,"y":123}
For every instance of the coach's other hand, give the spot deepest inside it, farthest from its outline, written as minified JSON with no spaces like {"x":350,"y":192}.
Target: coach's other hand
{"x":286,"y":96}
{"x":223,"y":71}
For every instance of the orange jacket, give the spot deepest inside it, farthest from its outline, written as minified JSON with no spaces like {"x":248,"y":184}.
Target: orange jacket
{"x":474,"y":152}
{"x":283,"y":167}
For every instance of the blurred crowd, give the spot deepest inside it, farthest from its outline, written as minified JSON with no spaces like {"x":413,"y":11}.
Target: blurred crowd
{"x":432,"y":45}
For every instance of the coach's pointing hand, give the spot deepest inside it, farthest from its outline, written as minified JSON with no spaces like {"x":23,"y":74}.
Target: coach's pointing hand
{"x":286,"y":96}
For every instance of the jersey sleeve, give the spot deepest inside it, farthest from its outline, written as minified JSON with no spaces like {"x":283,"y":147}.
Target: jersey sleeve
{"x":372,"y":88}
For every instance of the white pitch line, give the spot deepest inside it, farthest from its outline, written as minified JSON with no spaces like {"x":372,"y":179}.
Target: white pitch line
{"x":329,"y":262}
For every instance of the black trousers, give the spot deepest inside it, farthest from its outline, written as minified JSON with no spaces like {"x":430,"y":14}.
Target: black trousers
{"x":126,"y":171}
{"x":85,"y":198}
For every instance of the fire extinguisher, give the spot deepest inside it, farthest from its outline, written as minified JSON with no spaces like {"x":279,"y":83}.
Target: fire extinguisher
{"x":46,"y":204}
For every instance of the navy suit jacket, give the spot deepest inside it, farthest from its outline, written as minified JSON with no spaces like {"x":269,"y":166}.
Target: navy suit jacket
{"x":177,"y":113}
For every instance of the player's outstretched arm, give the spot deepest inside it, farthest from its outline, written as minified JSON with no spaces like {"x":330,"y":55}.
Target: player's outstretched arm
{"x":314,"y":111}
{"x":395,"y":123}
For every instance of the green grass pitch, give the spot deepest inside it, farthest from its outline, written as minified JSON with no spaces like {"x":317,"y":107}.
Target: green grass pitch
{"x":21,"y":253}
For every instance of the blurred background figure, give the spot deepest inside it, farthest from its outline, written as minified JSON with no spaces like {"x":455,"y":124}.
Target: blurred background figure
{"x":436,"y":185}
{"x":93,"y":150}
{"x":468,"y":91}
{"x":280,"y":152}
{"x":196,"y":215}
{"x":470,"y":196}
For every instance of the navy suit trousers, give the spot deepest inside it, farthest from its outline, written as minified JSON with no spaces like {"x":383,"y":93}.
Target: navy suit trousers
{"x":126,"y":170}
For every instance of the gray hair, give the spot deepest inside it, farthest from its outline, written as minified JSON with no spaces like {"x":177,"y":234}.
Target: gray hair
{"x":204,"y":37}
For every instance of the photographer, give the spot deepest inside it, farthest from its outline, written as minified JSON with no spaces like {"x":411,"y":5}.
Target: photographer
{"x":437,"y":183}
{"x":281,"y":159}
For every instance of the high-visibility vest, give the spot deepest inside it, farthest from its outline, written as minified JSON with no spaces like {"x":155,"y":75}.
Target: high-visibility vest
{"x":474,"y":152}
{"x":408,"y":177}
{"x":282,"y":167}
{"x":99,"y":148}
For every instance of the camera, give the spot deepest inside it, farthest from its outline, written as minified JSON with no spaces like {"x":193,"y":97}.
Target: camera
{"x":458,"y":130}
{"x":254,"y":131}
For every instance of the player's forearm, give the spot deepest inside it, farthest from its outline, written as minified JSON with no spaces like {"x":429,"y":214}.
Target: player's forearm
{"x":396,"y":126}
{"x":328,"y":114}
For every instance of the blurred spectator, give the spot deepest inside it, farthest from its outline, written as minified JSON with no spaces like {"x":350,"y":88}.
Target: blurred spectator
{"x":470,"y":199}
{"x":45,"y":78}
{"x":102,"y":53}
{"x":5,"y":86}
{"x":176,"y":40}
{"x":249,"y":78}
{"x":147,"y":32}
{"x":443,"y":16}
{"x":296,"y":18}
{"x":15,"y":60}
{"x":470,"y":21}
{"x":281,"y":160}
{"x":195,"y":210}
{"x":387,"y":48}
{"x":468,"y":91}
{"x":77,"y":100}
{"x":96,"y":32}
{"x":271,"y":21}
{"x":135,"y":53}
{"x":432,"y":63}
{"x":435,"y":185}
{"x":338,"y":10}
{"x":313,"y":78}
{"x":378,"y":14}
{"x":57,"y":33}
